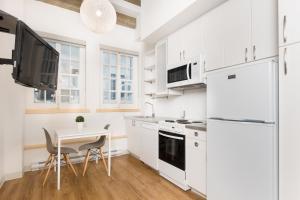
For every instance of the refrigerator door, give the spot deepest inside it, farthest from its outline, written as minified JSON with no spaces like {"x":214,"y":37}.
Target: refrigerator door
{"x":245,"y":92}
{"x":242,"y":161}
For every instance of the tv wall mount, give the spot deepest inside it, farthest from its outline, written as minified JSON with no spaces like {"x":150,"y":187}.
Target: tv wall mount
{"x":8,"y":24}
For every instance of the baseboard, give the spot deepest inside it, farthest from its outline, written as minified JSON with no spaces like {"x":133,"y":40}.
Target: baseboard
{"x":75,"y":159}
{"x":1,"y":182}
{"x":12,"y":176}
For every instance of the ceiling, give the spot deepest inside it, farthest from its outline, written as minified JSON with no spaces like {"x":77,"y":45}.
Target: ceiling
{"x":122,"y":19}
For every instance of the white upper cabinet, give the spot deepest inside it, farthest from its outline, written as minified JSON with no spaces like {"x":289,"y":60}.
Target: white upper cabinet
{"x":213,"y":39}
{"x":264,"y":29}
{"x":185,"y":44}
{"x":175,"y":46}
{"x":237,"y":31}
{"x":289,"y":15}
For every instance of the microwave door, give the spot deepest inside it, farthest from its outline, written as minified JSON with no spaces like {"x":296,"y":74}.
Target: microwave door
{"x":178,"y":76}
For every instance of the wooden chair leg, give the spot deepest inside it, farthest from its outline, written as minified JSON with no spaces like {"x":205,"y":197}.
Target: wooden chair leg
{"x":66,"y":160}
{"x":50,"y":165}
{"x":86,"y":161}
{"x":69,"y":163}
{"x":46,"y":163}
{"x":103,"y":159}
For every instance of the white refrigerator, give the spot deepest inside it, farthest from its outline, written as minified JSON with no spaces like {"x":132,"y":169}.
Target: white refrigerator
{"x":242,"y":132}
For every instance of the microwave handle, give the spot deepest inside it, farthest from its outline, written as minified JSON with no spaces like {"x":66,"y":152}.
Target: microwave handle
{"x":170,"y":136}
{"x":187,"y":70}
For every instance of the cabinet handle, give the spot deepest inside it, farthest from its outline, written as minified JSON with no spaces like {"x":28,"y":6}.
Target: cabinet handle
{"x":254,"y":52}
{"x":180,"y":55}
{"x":285,"y":61}
{"x":246,"y":54}
{"x":196,"y":144}
{"x":284,"y":29}
{"x":183,"y":54}
{"x":196,"y":134}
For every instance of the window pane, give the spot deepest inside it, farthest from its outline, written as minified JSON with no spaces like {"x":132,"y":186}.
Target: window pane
{"x":75,"y":96}
{"x":65,"y":81}
{"x":65,"y":99}
{"x":123,"y":61}
{"x":50,"y":96}
{"x":75,"y":64}
{"x":106,"y":72}
{"x":123,"y":85}
{"x":105,"y":58}
{"x":106,"y":96}
{"x":113,"y":72}
{"x":65,"y":66}
{"x":75,"y":53}
{"x":65,"y":92}
{"x":129,"y":88}
{"x":123,"y":96}
{"x":129,"y":98}
{"x":39,"y":96}
{"x":113,"y":84}
{"x":65,"y":51}
{"x":113,"y":96}
{"x":113,"y":59}
{"x":123,"y":73}
{"x":75,"y":82}
{"x":106,"y":85}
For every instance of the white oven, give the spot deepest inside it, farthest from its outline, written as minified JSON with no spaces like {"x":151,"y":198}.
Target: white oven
{"x":184,"y":74}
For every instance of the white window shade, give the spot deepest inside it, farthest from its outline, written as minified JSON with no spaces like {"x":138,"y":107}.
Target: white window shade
{"x":98,"y":15}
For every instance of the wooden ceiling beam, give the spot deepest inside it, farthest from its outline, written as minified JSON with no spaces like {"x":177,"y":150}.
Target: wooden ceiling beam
{"x":74,"y":5}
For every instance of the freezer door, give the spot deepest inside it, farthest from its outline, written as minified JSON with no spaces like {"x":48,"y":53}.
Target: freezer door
{"x":246,"y":92}
{"x":242,"y":161}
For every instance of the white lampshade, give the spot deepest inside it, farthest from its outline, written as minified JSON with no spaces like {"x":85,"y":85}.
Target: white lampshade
{"x":98,"y":15}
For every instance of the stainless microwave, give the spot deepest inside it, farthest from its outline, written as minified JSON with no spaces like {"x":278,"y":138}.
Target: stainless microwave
{"x":185,"y":74}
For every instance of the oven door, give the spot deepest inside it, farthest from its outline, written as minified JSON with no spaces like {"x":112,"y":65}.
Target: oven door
{"x":172,"y":149}
{"x":179,"y":76}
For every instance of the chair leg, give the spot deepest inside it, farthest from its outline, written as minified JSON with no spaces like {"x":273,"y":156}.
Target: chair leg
{"x":49,"y":167}
{"x":69,"y":163}
{"x":103,"y":159}
{"x":86,"y":161}
{"x":66,"y":160}
{"x":46,"y":163}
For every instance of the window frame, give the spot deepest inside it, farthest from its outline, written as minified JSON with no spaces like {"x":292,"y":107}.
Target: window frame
{"x":81,"y":83}
{"x":135,"y":80}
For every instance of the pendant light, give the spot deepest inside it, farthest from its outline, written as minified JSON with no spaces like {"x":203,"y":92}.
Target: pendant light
{"x":98,"y":15}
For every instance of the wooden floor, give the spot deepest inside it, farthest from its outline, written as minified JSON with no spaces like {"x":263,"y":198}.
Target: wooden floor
{"x":130,"y":179}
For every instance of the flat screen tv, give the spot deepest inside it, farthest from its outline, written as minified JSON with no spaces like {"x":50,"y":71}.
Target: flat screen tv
{"x":36,"y":62}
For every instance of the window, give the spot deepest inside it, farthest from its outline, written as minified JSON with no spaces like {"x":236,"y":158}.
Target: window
{"x":71,"y":78}
{"x":119,"y":79}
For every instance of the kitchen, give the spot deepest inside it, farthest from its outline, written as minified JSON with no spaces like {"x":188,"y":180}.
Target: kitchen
{"x":205,"y":100}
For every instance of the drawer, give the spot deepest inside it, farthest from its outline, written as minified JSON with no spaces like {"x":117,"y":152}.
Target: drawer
{"x":195,"y":134}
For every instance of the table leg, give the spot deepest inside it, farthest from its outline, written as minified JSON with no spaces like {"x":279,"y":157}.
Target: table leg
{"x":58,"y":164}
{"x":109,"y":154}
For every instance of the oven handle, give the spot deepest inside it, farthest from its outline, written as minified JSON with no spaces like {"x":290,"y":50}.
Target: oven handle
{"x":170,"y":136}
{"x":188,"y":70}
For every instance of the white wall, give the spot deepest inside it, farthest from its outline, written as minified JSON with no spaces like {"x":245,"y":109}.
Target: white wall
{"x":155,"y":13}
{"x":12,"y":105}
{"x":51,"y":19}
{"x":193,"y":102}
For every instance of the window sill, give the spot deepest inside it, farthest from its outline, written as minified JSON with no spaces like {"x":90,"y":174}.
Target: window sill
{"x":117,"y":110}
{"x":56,"y":110}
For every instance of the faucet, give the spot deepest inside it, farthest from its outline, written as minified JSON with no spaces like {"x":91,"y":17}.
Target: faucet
{"x":151,"y":104}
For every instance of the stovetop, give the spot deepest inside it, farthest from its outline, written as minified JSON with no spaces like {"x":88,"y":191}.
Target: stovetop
{"x":183,"y":121}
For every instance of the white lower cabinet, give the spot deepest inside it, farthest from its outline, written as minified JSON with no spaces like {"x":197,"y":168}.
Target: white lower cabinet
{"x":132,"y":129}
{"x":196,"y":160}
{"x":149,"y":144}
{"x":143,"y":141}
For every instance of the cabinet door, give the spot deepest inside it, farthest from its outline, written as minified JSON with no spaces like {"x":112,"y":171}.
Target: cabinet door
{"x":149,"y":143}
{"x":213,"y":39}
{"x":289,"y":15}
{"x":132,"y":127}
{"x":289,"y":112}
{"x":237,"y":33}
{"x":175,"y":48}
{"x":264,"y":29}
{"x":196,"y":164}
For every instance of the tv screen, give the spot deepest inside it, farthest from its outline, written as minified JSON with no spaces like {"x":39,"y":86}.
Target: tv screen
{"x":36,"y":61}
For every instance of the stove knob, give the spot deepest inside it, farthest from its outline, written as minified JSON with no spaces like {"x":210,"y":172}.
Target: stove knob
{"x":196,"y":144}
{"x":196,"y":134}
